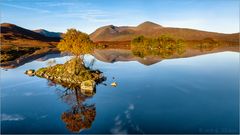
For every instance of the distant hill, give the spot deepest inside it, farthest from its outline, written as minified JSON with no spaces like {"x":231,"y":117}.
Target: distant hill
{"x":48,"y":33}
{"x":14,"y":35}
{"x":150,"y":29}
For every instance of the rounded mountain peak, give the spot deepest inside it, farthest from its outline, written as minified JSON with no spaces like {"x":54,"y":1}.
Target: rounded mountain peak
{"x":40,"y":30}
{"x":7,"y":25}
{"x":148,"y":24}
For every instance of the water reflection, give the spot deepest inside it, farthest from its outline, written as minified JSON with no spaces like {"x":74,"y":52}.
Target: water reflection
{"x":71,"y":76}
{"x":80,"y":114}
{"x":206,"y":93}
{"x":144,"y":55}
{"x":151,"y":56}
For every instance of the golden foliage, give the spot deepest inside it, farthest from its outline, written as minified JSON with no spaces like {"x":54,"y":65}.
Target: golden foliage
{"x":79,"y":118}
{"x":75,"y":42}
{"x":164,"y":46}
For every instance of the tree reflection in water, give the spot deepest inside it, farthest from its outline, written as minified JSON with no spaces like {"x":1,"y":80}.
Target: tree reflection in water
{"x":80,"y":115}
{"x":71,"y":76}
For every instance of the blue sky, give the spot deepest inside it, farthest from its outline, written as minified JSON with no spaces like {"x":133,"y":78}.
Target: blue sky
{"x":87,"y":15}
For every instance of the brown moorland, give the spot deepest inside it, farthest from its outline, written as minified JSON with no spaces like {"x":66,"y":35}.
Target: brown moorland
{"x":150,"y":29}
{"x":13,"y":35}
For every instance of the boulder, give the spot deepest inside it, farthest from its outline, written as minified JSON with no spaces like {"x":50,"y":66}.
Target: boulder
{"x":30,"y":72}
{"x":114,"y":84}
{"x":88,"y":87}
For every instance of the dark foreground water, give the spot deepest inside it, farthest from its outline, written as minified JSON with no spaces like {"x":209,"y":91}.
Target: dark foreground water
{"x":187,"y":95}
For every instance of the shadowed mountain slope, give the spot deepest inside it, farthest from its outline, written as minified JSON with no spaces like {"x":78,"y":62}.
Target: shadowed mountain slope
{"x":48,"y":33}
{"x":14,"y":35}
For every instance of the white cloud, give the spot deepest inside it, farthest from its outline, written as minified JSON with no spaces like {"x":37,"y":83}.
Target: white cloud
{"x":63,"y":4}
{"x":117,"y":117}
{"x":118,"y":130}
{"x":26,"y":8}
{"x":120,"y":123}
{"x":28,"y":94}
{"x":60,"y":4}
{"x":131,"y":107}
{"x":118,"y":126}
{"x":43,"y":117}
{"x":13,"y":117}
{"x":92,"y":15}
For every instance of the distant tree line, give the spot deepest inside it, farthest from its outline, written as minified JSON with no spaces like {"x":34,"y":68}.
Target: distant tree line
{"x":164,"y":46}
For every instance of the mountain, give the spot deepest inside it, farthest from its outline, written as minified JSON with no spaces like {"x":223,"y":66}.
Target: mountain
{"x":148,"y":26}
{"x":48,"y":33}
{"x":14,"y":35}
{"x":150,"y":29}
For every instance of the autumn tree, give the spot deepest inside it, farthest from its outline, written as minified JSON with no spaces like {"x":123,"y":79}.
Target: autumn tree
{"x":76,"y":42}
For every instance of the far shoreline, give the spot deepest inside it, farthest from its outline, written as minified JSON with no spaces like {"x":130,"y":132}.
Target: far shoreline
{"x":106,"y":45}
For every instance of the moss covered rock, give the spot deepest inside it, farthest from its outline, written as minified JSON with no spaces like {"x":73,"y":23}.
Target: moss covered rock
{"x":73,"y":71}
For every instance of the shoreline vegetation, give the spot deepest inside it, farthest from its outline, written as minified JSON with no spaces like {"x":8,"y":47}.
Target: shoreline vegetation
{"x":13,"y":56}
{"x":17,"y":56}
{"x":163,"y":46}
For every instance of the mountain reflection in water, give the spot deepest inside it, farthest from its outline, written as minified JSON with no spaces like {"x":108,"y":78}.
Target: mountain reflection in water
{"x":116,"y":54}
{"x":112,"y":55}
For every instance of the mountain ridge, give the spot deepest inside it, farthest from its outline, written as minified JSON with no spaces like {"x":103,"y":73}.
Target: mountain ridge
{"x":48,"y":33}
{"x":12,"y":34}
{"x":16,"y":35}
{"x":150,"y":29}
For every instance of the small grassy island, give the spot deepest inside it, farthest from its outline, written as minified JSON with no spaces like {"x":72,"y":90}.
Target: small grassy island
{"x":74,"y":73}
{"x":79,"y":79}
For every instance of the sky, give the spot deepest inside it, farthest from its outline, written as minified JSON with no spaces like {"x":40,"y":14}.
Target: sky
{"x":88,"y":15}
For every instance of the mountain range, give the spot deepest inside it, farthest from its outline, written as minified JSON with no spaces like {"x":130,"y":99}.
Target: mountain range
{"x":48,"y":33}
{"x":150,"y":29}
{"x":14,"y":35}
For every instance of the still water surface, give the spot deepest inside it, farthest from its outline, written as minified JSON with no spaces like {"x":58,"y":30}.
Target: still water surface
{"x":186,"y":95}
